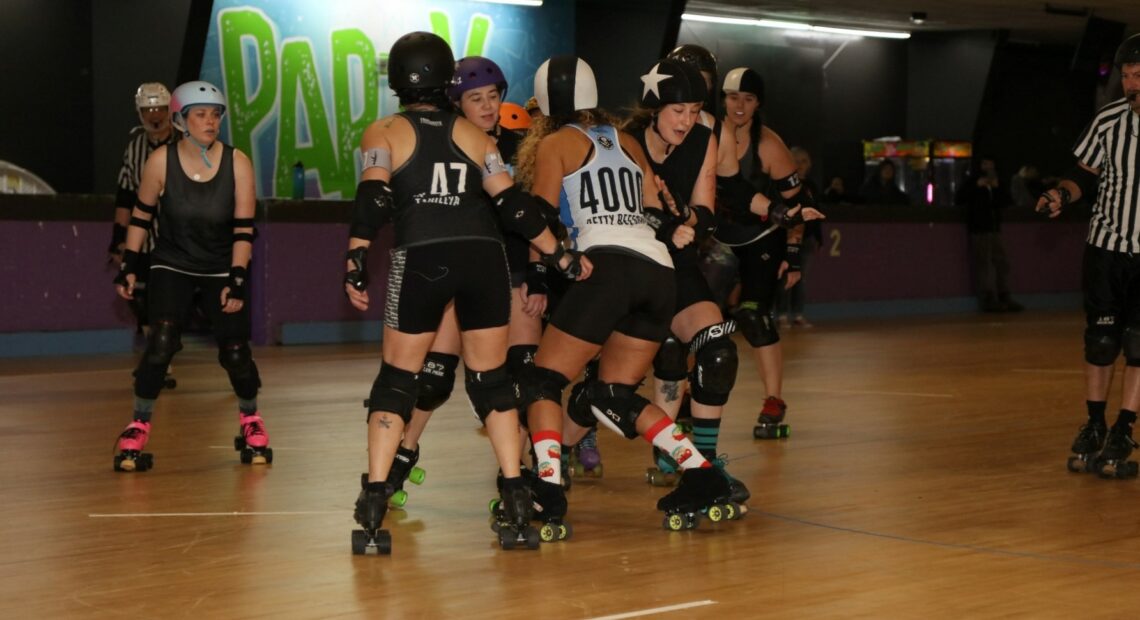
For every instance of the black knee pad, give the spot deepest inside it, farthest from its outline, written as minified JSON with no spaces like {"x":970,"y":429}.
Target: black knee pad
{"x":491,"y":390}
{"x":539,"y":383}
{"x":519,"y":357}
{"x":758,"y":328}
{"x":578,"y":405}
{"x":591,"y":371}
{"x":235,"y":358}
{"x":617,"y":406}
{"x":1131,"y":345}
{"x":165,"y":341}
{"x":437,"y":379}
{"x":1102,"y":345}
{"x":394,"y":390}
{"x":672,"y":360}
{"x":715,"y":371}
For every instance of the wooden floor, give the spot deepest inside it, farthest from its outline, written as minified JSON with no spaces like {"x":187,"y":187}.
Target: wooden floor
{"x":925,"y":478}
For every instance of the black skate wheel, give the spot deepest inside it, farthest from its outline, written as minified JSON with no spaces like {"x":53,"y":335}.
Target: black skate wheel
{"x":506,"y":538}
{"x":145,"y":461}
{"x":533,"y":540}
{"x":383,"y":542}
{"x":239,"y":443}
{"x":119,"y":464}
{"x":170,"y":383}
{"x":246,"y":456}
{"x":758,"y":433}
{"x":359,"y":542}
{"x":268,"y":456}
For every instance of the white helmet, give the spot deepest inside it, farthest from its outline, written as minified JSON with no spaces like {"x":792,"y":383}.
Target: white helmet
{"x":191,"y":94}
{"x":152,"y":95}
{"x":565,"y":84}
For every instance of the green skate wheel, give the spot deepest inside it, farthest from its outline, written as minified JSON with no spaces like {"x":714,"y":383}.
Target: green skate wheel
{"x":398,"y":499}
{"x":674,"y":522}
{"x":493,"y":505}
{"x":716,"y":513}
{"x":416,"y":476}
{"x":597,"y":471}
{"x":577,"y":470}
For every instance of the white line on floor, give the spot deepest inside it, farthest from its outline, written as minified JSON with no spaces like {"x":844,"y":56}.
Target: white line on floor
{"x":656,"y":610}
{"x":135,"y":515}
{"x":875,"y":393}
{"x":1049,"y":371}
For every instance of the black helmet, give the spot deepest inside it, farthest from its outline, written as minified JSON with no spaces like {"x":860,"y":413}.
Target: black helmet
{"x":695,"y":55}
{"x":1128,"y":52}
{"x":565,"y":84}
{"x":744,"y":80}
{"x":420,"y":60}
{"x":672,"y":81}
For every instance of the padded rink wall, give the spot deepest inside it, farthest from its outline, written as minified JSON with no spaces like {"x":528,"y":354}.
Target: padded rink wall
{"x":55,"y":280}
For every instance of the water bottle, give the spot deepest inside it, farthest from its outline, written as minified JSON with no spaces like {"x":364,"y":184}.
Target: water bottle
{"x":298,"y":181}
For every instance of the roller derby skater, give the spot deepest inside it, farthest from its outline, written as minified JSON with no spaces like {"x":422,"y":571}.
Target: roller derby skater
{"x":701,"y":492}
{"x":770,"y":422}
{"x":1110,"y":268}
{"x":371,"y":506}
{"x":1087,"y":445}
{"x":204,"y":250}
{"x":420,"y":173}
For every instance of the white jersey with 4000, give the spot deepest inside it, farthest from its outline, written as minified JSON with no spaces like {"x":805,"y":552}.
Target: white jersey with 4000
{"x":601,"y":201}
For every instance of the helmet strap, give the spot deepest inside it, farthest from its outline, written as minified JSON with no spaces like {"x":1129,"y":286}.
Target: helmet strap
{"x":205,"y":148}
{"x":653,"y":124}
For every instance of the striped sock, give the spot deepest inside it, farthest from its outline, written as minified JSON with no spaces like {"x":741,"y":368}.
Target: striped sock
{"x":666,"y":436}
{"x":705,"y":435}
{"x":548,"y":455}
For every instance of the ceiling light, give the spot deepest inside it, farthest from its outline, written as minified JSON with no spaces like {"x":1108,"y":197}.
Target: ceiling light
{"x":518,"y":2}
{"x":797,"y":26}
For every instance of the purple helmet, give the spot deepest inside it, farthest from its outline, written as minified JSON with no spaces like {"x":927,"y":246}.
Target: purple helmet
{"x":476,"y":72}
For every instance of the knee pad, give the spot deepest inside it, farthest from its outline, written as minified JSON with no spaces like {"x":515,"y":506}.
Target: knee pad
{"x":714,"y":374}
{"x":578,"y":405}
{"x":617,"y":406}
{"x":539,"y":383}
{"x":1131,"y":345}
{"x":1102,"y":345}
{"x":437,"y":379}
{"x":672,"y":360}
{"x":165,"y":341}
{"x":235,"y":358}
{"x":519,"y":357}
{"x":394,"y":390}
{"x":591,"y":371}
{"x":491,"y":390}
{"x":758,"y":327}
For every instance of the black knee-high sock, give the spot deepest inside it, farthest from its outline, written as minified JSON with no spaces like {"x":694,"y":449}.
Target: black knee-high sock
{"x":1125,"y":420}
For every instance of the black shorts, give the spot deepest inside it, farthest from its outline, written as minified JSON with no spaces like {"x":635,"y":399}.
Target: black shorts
{"x":760,"y":268}
{"x":1111,"y":285}
{"x":423,"y":279}
{"x":171,"y":294}
{"x":692,"y":287}
{"x":625,"y":293}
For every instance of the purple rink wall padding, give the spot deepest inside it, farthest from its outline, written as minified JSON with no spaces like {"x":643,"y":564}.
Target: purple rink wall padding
{"x":55,"y":281}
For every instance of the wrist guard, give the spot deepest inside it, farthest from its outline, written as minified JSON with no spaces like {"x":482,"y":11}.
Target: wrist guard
{"x":778,"y":213}
{"x":238,"y":279}
{"x":664,"y":224}
{"x":573,"y":269}
{"x":536,"y":280}
{"x":129,"y":265}
{"x":118,"y":237}
{"x":358,"y":275}
{"x":793,"y":256}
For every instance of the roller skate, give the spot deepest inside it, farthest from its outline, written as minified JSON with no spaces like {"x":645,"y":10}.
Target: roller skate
{"x":130,"y":446}
{"x":253,"y":442}
{"x":404,"y":469}
{"x":585,"y":460}
{"x":550,"y":509}
{"x":701,"y":492}
{"x":737,"y":492}
{"x":1112,"y":462}
{"x":371,"y":506}
{"x":664,"y":474}
{"x":511,"y":514}
{"x":1086,"y":446}
{"x":770,"y":423}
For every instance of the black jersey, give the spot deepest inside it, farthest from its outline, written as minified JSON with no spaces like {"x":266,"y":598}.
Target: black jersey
{"x":518,"y":247}
{"x":680,"y":171}
{"x":735,"y":228}
{"x":196,"y":219}
{"x":439,"y":190}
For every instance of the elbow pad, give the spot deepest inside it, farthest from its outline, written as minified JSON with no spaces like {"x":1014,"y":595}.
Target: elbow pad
{"x":373,"y":207}
{"x":705,"y":225}
{"x":1084,"y":179}
{"x":520,"y":212}
{"x":736,"y":192}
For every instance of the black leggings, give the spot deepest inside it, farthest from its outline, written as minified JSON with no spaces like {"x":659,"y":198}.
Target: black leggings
{"x":170,"y":298}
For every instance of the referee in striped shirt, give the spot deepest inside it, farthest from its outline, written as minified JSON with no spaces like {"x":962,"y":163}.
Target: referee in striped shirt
{"x":1108,"y":162}
{"x":152,"y":100}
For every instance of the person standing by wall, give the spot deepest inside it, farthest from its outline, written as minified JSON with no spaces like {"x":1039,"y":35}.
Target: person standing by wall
{"x":985,"y":199}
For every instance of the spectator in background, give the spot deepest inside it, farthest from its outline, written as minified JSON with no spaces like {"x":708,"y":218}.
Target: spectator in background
{"x":790,"y":304}
{"x":984,"y":198}
{"x":1026,"y":186}
{"x":883,"y":188}
{"x":836,"y":193}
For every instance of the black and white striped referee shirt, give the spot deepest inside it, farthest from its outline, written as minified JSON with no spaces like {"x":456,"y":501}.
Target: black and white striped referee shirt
{"x":1111,"y":143}
{"x":130,"y":175}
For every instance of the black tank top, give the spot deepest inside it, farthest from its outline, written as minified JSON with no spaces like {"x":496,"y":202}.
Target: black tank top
{"x":680,"y":171}
{"x":196,"y":218}
{"x":439,"y":190}
{"x":752,"y":169}
{"x":518,"y":248}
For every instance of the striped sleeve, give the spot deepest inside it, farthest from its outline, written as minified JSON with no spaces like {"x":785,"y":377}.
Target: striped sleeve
{"x":134,"y":157}
{"x":1088,"y":148}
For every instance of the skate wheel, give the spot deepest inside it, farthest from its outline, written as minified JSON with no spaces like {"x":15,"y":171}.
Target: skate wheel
{"x":731,"y":512}
{"x":565,"y":531}
{"x":1128,"y":470}
{"x":674,"y":522}
{"x":785,"y":431}
{"x":239,"y":443}
{"x":506,"y":539}
{"x":383,"y":542}
{"x":596,"y":472}
{"x":533,"y":540}
{"x":359,"y":542}
{"x":716,"y":514}
{"x":493,"y":505}
{"x":124,"y":464}
{"x":578,"y":470}
{"x":146,"y":461}
{"x":170,"y":383}
{"x":269,"y":456}
{"x":417,"y":475}
{"x":246,"y":456}
{"x":1076,"y":465}
{"x":398,"y":499}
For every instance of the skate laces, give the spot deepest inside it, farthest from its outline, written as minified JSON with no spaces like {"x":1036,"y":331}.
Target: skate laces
{"x":252,"y":427}
{"x":589,"y":442}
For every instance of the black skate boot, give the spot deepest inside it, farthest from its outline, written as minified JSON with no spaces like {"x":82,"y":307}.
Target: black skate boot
{"x":512,"y":513}
{"x":769,"y":425}
{"x":1112,"y":462}
{"x":550,"y":509}
{"x":371,"y":506}
{"x":700,"y":491}
{"x":1089,"y":443}
{"x":404,"y":469}
{"x":737,"y":492}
